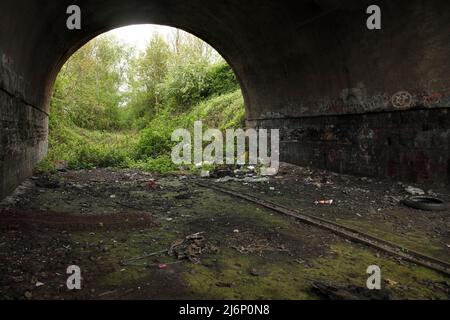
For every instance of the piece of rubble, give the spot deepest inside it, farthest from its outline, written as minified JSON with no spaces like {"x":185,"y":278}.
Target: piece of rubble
{"x":324,"y":202}
{"x":415,"y":191}
{"x":191,"y":248}
{"x":245,"y":180}
{"x":205,"y":174}
{"x":152,"y":184}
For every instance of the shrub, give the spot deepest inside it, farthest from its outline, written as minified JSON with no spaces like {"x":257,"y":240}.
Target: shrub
{"x":156,"y":139}
{"x":186,"y":86}
{"x":221,"y":79}
{"x":161,"y":164}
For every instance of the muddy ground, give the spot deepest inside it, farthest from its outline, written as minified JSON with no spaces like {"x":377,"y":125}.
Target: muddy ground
{"x":208,"y":245}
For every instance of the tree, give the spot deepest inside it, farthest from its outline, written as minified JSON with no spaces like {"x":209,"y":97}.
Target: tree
{"x":188,"y":48}
{"x":88,"y":88}
{"x":148,"y":72}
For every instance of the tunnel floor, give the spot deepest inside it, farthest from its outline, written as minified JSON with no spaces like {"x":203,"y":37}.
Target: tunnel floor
{"x":202,"y":244}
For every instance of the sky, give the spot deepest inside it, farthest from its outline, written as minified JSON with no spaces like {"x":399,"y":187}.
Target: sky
{"x":139,"y":35}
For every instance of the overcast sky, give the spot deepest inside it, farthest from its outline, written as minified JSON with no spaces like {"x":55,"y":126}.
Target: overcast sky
{"x":139,"y":35}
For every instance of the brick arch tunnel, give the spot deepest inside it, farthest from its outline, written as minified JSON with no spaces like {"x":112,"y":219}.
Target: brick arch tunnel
{"x":347,"y":99}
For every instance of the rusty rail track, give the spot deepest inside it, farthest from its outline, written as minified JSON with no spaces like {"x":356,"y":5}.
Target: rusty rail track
{"x":343,"y":231}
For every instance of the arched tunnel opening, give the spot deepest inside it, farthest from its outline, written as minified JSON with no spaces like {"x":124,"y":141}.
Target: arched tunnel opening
{"x":118,"y":100}
{"x":116,"y":180}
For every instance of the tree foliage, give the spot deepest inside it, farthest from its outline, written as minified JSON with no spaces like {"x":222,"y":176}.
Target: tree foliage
{"x":114,"y":107}
{"x":88,"y":89}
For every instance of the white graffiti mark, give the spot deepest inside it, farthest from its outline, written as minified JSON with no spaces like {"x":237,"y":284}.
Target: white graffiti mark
{"x":430,"y":94}
{"x":402,"y":99}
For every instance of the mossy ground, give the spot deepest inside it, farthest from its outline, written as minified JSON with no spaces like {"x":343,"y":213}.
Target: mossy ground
{"x":263,"y":255}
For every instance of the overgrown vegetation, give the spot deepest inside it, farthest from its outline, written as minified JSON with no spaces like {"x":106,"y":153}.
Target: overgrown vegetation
{"x":112,"y":107}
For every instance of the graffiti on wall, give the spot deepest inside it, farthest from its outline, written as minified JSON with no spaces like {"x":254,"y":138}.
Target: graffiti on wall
{"x":433,"y":93}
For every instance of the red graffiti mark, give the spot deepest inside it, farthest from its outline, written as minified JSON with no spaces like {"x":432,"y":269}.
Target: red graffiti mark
{"x":432,"y":99}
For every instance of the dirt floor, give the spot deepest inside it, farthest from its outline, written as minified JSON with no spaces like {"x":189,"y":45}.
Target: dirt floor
{"x":141,"y":236}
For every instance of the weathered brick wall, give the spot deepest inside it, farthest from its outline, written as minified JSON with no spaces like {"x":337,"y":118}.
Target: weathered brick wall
{"x":410,"y":146}
{"x":23,"y":140}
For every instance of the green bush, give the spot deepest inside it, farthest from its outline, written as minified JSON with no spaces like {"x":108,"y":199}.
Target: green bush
{"x":186,"y":86}
{"x":156,"y":139}
{"x":221,"y":79}
{"x":95,"y":156}
{"x":222,"y":112}
{"x":161,"y":164}
{"x":85,"y":149}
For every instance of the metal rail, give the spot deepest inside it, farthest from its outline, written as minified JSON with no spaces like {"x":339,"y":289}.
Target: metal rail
{"x":343,"y":231}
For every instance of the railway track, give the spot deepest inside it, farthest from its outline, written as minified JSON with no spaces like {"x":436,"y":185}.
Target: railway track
{"x":343,"y":231}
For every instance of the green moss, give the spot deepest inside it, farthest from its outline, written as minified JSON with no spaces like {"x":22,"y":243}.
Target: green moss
{"x":122,"y":246}
{"x":231,"y":277}
{"x":414,"y":240}
{"x":352,"y":261}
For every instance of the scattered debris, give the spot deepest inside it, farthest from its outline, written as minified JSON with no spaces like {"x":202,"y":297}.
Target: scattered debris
{"x":205,"y":174}
{"x":153,"y":254}
{"x":107,"y":293}
{"x":415,"y":191}
{"x":391,"y":283}
{"x":246,"y":179}
{"x":256,"y":244}
{"x":310,"y":181}
{"x":163,"y":266}
{"x":88,"y":192}
{"x":393,"y":200}
{"x":326,"y":202}
{"x":192,"y":247}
